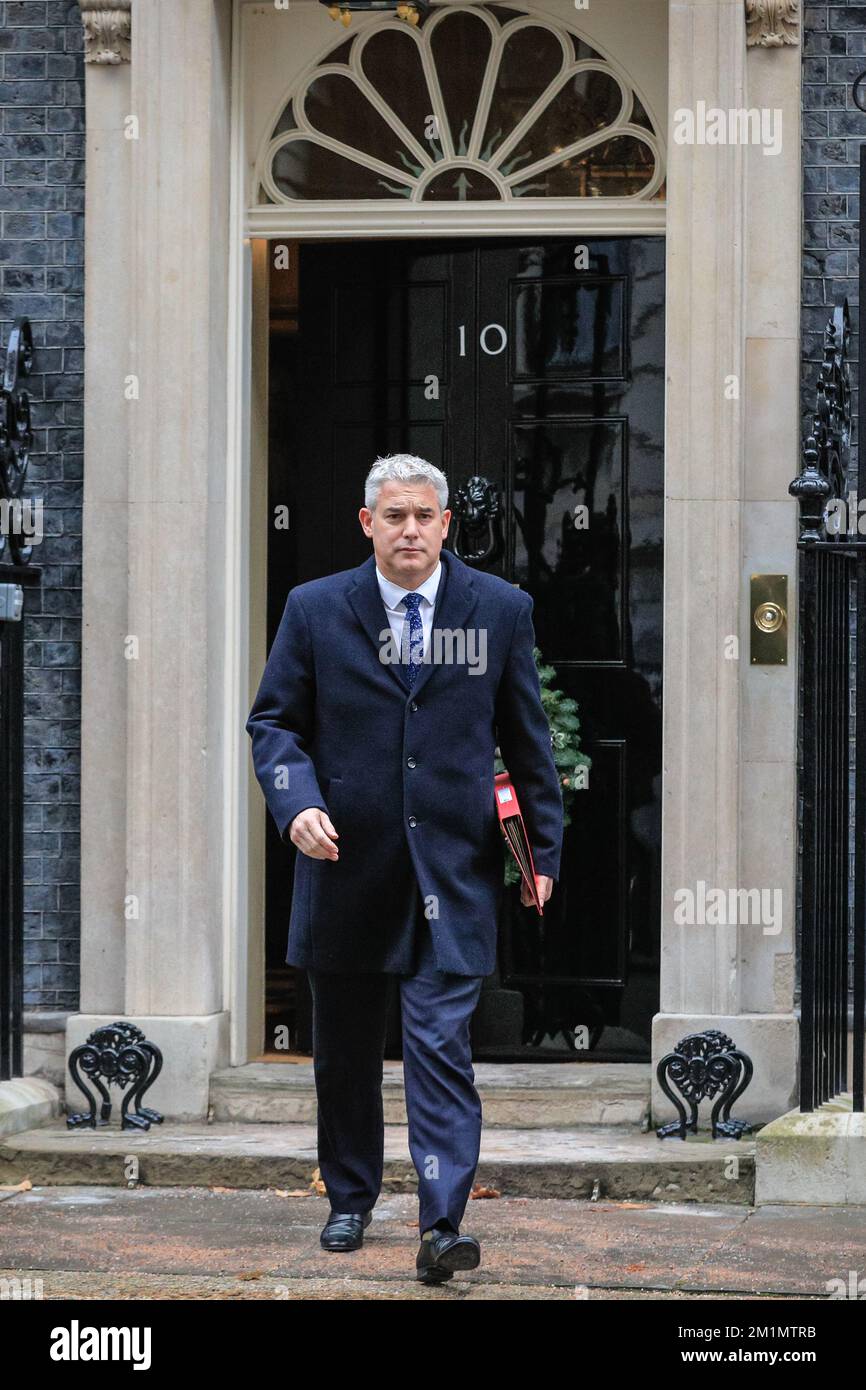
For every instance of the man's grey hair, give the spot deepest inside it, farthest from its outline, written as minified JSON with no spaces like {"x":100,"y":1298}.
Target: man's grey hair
{"x":404,"y":468}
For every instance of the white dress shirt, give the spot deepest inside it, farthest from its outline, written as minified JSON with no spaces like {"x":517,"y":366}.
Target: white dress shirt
{"x":392,"y":597}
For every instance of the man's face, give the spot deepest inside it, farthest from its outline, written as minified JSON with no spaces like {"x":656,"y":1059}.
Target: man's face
{"x":407,"y":529}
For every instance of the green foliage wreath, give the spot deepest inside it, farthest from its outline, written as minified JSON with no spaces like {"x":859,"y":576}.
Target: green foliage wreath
{"x":561,"y":713}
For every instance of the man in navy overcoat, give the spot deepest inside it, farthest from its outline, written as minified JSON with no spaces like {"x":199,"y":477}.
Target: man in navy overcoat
{"x":374,"y":729}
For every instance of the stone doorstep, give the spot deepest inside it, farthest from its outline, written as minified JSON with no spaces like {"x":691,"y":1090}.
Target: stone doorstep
{"x":26,"y":1101}
{"x":801,"y":1154}
{"x":606,"y":1162}
{"x":513,"y":1095}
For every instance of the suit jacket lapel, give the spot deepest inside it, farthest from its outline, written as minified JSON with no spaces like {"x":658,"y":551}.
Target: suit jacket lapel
{"x":455,"y":599}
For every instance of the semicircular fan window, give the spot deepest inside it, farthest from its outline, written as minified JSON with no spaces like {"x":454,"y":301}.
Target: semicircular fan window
{"x":479,"y":102}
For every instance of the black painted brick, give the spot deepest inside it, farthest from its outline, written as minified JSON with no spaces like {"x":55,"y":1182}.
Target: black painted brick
{"x":42,"y":121}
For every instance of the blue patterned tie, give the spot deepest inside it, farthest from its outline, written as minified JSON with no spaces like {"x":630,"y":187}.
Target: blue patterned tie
{"x":416,"y":637}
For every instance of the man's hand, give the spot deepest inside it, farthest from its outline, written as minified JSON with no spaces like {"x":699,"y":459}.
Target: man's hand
{"x":545,"y":888}
{"x":310,"y":830}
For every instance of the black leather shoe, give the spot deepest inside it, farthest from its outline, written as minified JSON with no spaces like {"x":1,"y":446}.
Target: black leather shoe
{"x":443,"y":1252}
{"x":344,"y":1230}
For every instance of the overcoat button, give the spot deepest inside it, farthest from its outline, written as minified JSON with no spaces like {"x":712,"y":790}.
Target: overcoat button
{"x":412,"y":821}
{"x":413,"y":707}
{"x":410,"y":762}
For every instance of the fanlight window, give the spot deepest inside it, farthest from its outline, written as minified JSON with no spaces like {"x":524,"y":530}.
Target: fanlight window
{"x":476,"y":103}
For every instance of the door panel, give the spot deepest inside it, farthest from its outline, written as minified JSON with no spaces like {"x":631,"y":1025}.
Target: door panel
{"x":578,"y":397}
{"x":500,"y":358}
{"x":575,"y":575}
{"x":551,"y":343}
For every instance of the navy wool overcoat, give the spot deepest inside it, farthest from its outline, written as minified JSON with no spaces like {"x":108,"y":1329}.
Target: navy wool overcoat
{"x":406,"y":776}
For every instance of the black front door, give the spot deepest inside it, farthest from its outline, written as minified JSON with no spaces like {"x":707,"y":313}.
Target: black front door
{"x":540,"y":366}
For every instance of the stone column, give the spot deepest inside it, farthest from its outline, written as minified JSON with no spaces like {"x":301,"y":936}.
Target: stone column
{"x":768,"y":739}
{"x":727,"y":794}
{"x":106,"y":442}
{"x":163,"y":633}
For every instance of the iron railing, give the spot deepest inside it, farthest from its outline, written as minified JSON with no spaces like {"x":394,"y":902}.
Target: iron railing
{"x":11,"y":853}
{"x":16,"y":439}
{"x":832,"y":570}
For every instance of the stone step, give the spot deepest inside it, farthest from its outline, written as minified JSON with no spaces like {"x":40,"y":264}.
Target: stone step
{"x":608,"y":1162}
{"x":514,"y":1095}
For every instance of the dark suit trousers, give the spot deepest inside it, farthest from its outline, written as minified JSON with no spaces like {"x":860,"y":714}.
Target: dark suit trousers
{"x":442,"y":1104}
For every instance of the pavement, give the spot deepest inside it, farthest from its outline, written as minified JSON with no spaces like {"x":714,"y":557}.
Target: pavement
{"x":216,"y":1243}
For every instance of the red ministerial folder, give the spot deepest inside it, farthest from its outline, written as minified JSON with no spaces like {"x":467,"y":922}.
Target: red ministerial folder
{"x":514,"y":831}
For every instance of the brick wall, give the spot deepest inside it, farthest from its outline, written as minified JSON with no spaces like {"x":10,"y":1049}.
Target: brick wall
{"x":42,"y":276}
{"x":834,"y":56}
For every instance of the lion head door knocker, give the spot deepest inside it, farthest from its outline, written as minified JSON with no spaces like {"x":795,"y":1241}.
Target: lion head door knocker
{"x":478,"y":533}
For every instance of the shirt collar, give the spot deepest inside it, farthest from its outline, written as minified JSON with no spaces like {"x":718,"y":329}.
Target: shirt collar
{"x":393,"y":594}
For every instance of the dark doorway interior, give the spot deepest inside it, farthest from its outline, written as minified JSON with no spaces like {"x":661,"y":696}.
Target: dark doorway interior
{"x":539,"y":365}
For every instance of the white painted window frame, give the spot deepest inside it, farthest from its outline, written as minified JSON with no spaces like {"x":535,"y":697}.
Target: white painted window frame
{"x":637,"y":214}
